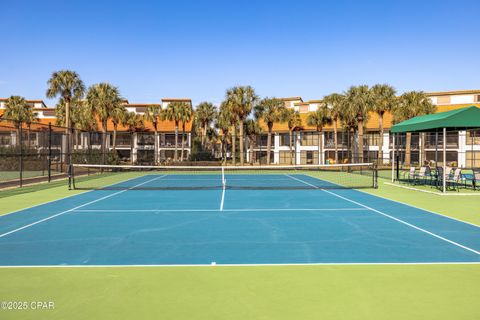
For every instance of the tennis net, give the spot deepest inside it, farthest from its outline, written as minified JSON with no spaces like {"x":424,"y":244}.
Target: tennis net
{"x":138,"y":177}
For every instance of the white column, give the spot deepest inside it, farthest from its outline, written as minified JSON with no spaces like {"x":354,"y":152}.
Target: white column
{"x":276,"y":148}
{"x":386,"y":147}
{"x":297,"y":148}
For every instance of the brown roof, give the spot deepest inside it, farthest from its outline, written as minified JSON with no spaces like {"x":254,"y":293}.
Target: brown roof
{"x":175,"y":99}
{"x":290,"y":98}
{"x":449,"y":93}
{"x":142,"y":104}
{"x":163,"y":126}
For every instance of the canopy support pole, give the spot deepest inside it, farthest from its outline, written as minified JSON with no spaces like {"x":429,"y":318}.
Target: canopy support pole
{"x":444,"y":180}
{"x":393,"y":158}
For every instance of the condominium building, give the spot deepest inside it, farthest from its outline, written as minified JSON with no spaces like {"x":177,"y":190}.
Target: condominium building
{"x":137,"y":145}
{"x":312,"y":147}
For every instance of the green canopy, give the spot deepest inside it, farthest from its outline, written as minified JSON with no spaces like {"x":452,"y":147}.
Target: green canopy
{"x":459,"y":119}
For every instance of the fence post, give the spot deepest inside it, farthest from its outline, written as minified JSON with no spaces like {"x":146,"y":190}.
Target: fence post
{"x":49,"y":162}
{"x":21,"y":153}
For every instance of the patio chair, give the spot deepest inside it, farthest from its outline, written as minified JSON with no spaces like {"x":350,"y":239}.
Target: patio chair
{"x":410,"y":175}
{"x":474,"y":178}
{"x":454,"y":181}
{"x":423,"y":175}
{"x":439,"y":175}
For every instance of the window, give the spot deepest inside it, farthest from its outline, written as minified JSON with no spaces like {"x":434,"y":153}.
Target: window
{"x":342,"y":139}
{"x":286,"y":157}
{"x":452,"y":157}
{"x":432,"y":143}
{"x":309,"y":138}
{"x":473,"y":137}
{"x":401,"y":140}
{"x":5,"y":139}
{"x":262,"y":140}
{"x":443,"y":100}
{"x":261,"y":157}
{"x":371,"y":139}
{"x":309,"y":157}
{"x":342,"y":156}
{"x":473,"y":159}
{"x":124,"y":139}
{"x":476,"y":98}
{"x":285,"y":139}
{"x":146,"y":139}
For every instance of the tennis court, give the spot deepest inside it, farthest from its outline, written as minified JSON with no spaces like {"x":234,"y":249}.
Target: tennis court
{"x":177,"y":218}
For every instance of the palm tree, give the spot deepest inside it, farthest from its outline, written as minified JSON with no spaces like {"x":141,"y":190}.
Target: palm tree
{"x":173,"y":113}
{"x":104,"y":98}
{"x":205,"y":113}
{"x":242,"y":101}
{"x":211,"y":139}
{"x":293,"y":119}
{"x":153,"y":114}
{"x":319,"y":119}
{"x":133,"y":122}
{"x":411,"y":104}
{"x":334,"y":102}
{"x":226,"y":121}
{"x":77,"y":116}
{"x":270,"y":110}
{"x":18,"y":110}
{"x":117,"y":115}
{"x":186,"y":115}
{"x":384,"y":100}
{"x":252,"y":130}
{"x":357,"y":104}
{"x":67,"y":85}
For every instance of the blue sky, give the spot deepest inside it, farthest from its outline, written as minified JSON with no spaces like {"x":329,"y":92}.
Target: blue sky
{"x":198,"y":49}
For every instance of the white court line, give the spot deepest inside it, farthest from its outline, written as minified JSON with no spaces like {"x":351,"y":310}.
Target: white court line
{"x":223,"y":198}
{"x":226,"y":210}
{"x":66,"y":197}
{"x":326,"y":264}
{"x":73,"y":209}
{"x":391,"y":217}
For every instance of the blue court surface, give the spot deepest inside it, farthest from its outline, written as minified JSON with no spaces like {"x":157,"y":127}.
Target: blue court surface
{"x":231,"y":226}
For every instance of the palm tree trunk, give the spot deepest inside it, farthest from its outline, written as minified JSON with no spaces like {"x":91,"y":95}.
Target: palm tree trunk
{"x":234,"y":138}
{"x":175,"y":156}
{"x":183,"y":141}
{"x":360,"y":140}
{"x":380,"y":147}
{"x":18,"y":138}
{"x":204,"y":135}
{"x":408,"y":142}
{"x":114,"y":142}
{"x":335,"y":139}
{"x":269,"y":143}
{"x":241,"y":142}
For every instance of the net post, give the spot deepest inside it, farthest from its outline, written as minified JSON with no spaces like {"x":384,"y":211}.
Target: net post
{"x":375,"y":175}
